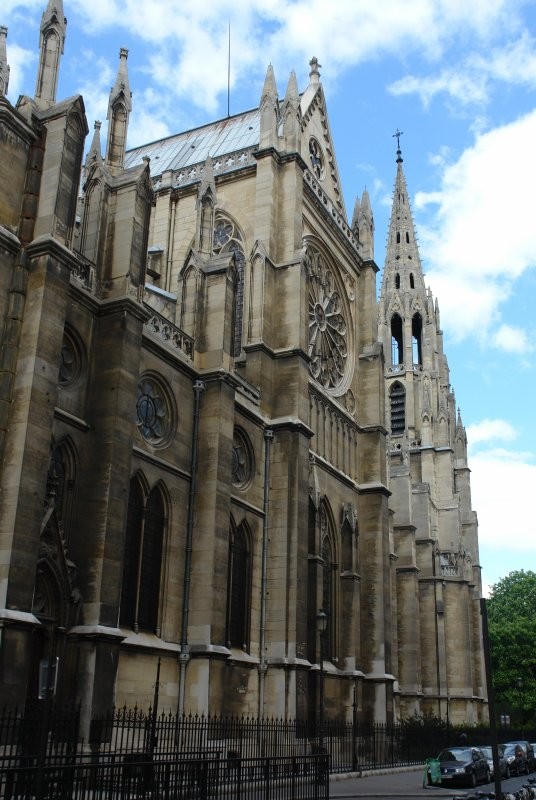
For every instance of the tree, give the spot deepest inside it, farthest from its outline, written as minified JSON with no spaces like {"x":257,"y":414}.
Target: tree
{"x":512,"y":633}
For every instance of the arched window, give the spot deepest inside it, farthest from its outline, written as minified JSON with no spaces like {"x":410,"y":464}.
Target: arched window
{"x":411,"y":281}
{"x":416,"y":338}
{"x":142,"y":562}
{"x":398,"y":237}
{"x":397,"y":396}
{"x":228,"y":239}
{"x":397,"y":340}
{"x":238,"y":590}
{"x":328,"y":600}
{"x":407,"y":237}
{"x":61,"y":484}
{"x":397,"y":281}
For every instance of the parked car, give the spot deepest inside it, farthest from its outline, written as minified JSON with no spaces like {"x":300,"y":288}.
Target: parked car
{"x":504,"y":769}
{"x":466,"y":765}
{"x":520,"y":757}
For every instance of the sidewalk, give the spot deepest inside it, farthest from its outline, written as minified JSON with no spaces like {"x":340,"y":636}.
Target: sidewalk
{"x":400,"y":782}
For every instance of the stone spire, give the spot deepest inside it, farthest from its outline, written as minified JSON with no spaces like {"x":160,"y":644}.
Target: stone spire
{"x":291,"y":114}
{"x":119,"y":108}
{"x":403,"y":270}
{"x":51,"y":42}
{"x":95,"y":151}
{"x":4,"y":66}
{"x":363,"y":225}
{"x":269,"y":110}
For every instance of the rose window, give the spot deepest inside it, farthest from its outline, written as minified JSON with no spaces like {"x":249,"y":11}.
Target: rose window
{"x":327,"y":326}
{"x":153,"y":415}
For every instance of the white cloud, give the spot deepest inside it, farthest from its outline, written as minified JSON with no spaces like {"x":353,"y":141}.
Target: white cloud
{"x":501,"y":485}
{"x":474,"y":78}
{"x":490,"y":430}
{"x":480,"y":236}
{"x":285,"y":31}
{"x":512,"y":339}
{"x":22,"y":63}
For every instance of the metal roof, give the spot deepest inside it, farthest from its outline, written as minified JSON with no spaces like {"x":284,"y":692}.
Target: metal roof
{"x":183,"y":150}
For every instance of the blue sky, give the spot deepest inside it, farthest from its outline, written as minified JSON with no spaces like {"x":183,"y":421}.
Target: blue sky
{"x":459,"y":79}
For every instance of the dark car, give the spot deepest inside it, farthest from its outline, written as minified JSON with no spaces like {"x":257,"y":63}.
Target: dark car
{"x":504,"y":769}
{"x":467,"y":765}
{"x":520,"y":757}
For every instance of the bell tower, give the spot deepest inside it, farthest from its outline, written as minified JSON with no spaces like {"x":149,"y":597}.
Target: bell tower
{"x":435,"y":530}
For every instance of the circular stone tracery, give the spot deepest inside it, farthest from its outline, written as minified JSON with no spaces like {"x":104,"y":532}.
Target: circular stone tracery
{"x":153,"y":415}
{"x":328,"y":339}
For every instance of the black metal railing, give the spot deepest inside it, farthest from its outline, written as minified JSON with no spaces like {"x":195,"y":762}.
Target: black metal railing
{"x":42,"y":746}
{"x":168,"y":777}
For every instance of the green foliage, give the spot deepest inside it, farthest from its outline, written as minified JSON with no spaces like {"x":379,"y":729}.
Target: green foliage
{"x":512,"y":631}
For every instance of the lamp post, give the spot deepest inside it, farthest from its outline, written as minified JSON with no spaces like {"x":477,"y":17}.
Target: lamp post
{"x":321,"y":625}
{"x":519,"y":684}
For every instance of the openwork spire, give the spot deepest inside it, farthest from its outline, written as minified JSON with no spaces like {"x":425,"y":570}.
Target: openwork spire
{"x":403,"y":268}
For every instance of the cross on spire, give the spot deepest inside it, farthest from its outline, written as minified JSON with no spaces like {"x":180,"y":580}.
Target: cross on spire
{"x":396,"y":135}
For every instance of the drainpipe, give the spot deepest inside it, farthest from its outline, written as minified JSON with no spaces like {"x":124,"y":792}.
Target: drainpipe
{"x":184,"y":656}
{"x":268,"y":438}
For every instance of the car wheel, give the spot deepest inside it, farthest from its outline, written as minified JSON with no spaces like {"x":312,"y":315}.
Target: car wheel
{"x":472,"y":780}
{"x":488,"y":776}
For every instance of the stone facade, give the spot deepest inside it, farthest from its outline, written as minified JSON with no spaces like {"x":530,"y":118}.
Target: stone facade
{"x":195,"y":425}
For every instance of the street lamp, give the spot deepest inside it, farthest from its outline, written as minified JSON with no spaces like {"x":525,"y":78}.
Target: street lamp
{"x":321,"y":626}
{"x":519,"y":684}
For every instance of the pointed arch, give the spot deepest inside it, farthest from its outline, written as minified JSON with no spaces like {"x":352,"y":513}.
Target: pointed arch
{"x":142,"y":561}
{"x":416,"y":338}
{"x":228,"y":238}
{"x":190,"y":288}
{"x":329,"y":590}
{"x":397,"y":398}
{"x":397,"y":340}
{"x":239,"y":586}
{"x":62,"y":481}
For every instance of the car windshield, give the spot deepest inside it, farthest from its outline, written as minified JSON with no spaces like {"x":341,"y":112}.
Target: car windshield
{"x":455,"y":754}
{"x":487,"y":751}
{"x":509,"y":750}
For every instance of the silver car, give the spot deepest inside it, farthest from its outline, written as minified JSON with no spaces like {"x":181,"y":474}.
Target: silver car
{"x":504,"y":768}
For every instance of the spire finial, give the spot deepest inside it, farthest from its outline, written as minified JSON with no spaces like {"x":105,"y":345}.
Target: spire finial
{"x":396,"y":135}
{"x":314,"y":75}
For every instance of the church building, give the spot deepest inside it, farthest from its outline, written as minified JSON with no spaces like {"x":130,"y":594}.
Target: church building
{"x":221,"y":455}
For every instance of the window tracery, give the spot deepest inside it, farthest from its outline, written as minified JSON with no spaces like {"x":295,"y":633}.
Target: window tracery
{"x":328,"y":334}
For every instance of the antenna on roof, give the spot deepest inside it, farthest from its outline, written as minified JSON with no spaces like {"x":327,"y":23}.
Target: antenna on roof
{"x":229,"y":73}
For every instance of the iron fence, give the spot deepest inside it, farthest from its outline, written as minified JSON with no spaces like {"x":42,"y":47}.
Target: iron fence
{"x":43,"y":738}
{"x":170,"y":778}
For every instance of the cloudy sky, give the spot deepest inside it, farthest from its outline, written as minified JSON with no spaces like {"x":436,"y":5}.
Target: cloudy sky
{"x":458,"y":77}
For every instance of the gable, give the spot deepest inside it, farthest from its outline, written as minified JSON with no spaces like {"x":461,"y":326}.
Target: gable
{"x":318,"y":151}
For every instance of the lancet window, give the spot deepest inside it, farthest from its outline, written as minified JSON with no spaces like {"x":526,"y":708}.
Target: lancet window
{"x":142,"y":564}
{"x":416,"y":338}
{"x":228,"y":239}
{"x":397,"y":340}
{"x":239,"y":587}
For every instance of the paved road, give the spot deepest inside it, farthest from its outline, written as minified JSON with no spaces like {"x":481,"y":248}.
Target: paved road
{"x":408,"y":783}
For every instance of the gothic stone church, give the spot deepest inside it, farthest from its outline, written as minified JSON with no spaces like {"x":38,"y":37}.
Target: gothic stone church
{"x":211,"y":429}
